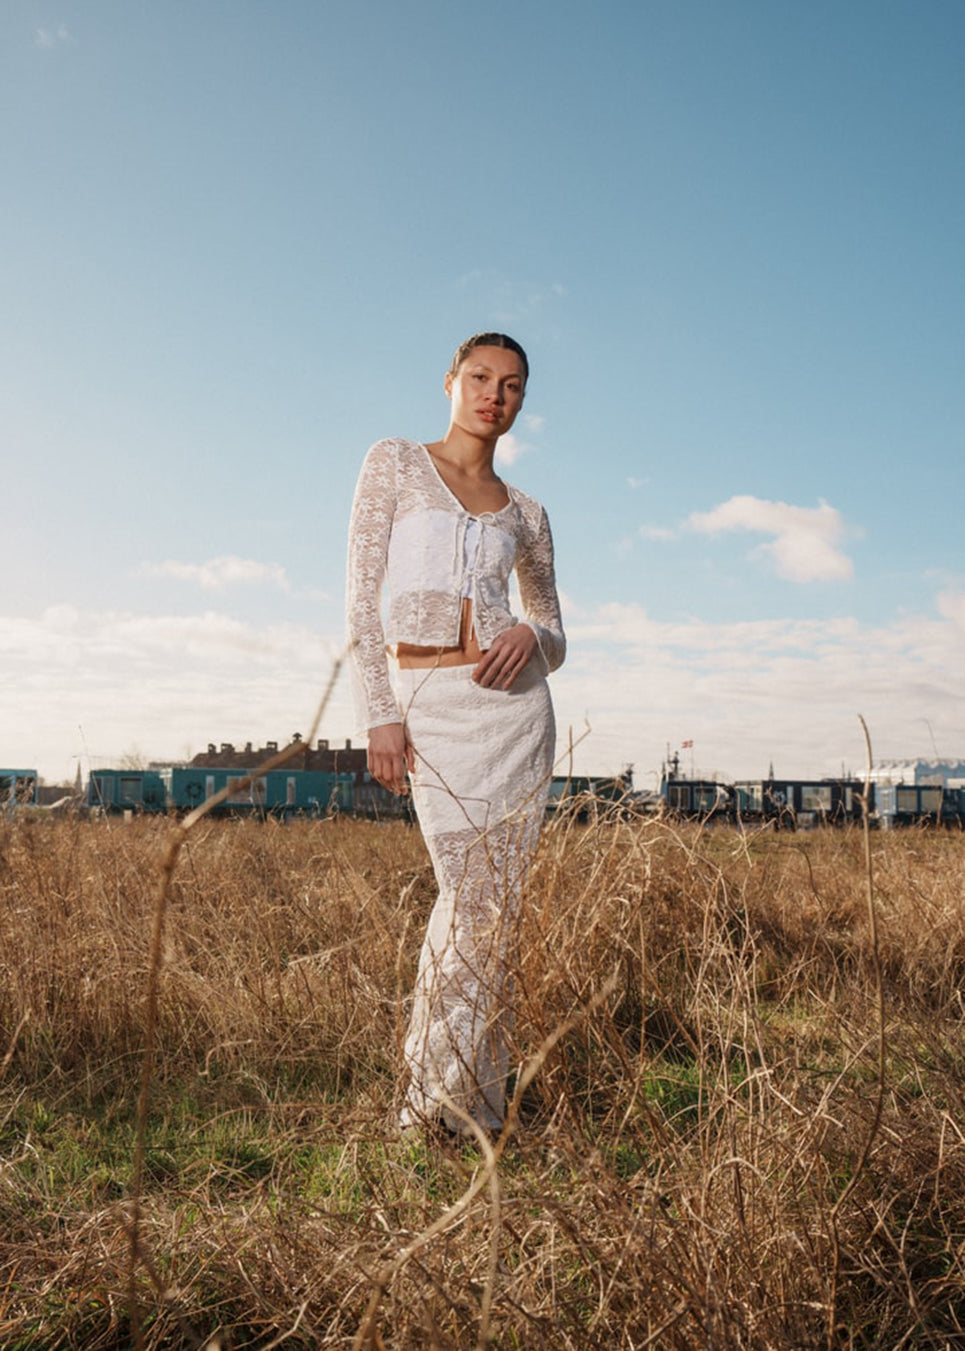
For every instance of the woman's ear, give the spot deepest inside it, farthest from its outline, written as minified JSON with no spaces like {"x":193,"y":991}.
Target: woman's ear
{"x":447,"y":384}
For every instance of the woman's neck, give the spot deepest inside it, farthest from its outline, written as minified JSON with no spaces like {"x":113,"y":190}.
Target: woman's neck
{"x":471,"y":456}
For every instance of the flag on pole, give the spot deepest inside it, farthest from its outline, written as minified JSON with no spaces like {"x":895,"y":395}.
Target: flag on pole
{"x":686,"y":745}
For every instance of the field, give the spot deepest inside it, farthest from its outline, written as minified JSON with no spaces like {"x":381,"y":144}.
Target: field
{"x":738,"y":1119}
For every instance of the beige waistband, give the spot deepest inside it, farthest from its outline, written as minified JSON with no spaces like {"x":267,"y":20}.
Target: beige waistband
{"x":420,"y":661}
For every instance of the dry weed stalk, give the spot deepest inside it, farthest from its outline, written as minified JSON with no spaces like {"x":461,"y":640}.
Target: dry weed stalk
{"x":178,"y":836}
{"x":875,"y":955}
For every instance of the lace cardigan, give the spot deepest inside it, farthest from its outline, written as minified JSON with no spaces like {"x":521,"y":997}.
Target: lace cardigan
{"x":408,"y":528}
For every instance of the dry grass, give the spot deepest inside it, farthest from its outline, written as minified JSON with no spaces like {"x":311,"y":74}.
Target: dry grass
{"x":698,"y":1013}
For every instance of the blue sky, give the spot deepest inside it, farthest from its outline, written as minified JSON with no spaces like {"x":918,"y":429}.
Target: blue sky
{"x":241,"y":240}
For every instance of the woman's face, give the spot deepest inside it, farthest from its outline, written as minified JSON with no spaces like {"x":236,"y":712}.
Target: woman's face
{"x":487,"y":391}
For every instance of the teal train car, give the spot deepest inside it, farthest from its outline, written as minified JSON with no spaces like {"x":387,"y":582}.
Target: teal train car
{"x":18,"y":788}
{"x":279,"y":792}
{"x":307,"y":792}
{"x":189,"y":787}
{"x":126,"y":790}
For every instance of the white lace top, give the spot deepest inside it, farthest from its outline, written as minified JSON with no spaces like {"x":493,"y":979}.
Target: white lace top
{"x":408,"y":528}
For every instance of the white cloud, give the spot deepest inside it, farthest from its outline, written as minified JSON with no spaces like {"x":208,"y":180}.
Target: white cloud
{"x":217,"y":573}
{"x":951,"y":604}
{"x":805,"y":543}
{"x":50,"y":37}
{"x":509,"y":448}
{"x":747,"y":692}
{"x":659,"y":532}
{"x":510,"y":301}
{"x":100,"y":682}
{"x":636,"y":483}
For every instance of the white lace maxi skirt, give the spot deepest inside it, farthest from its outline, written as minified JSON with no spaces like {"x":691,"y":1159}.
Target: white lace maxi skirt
{"x":484,"y":760}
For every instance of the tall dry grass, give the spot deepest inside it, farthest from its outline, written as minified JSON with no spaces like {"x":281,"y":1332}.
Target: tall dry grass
{"x":697,"y":1022}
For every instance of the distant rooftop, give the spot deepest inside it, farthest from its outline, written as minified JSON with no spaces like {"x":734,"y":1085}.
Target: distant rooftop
{"x":917,"y":771}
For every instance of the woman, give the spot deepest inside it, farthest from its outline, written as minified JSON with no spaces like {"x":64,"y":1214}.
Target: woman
{"x":465,"y":710}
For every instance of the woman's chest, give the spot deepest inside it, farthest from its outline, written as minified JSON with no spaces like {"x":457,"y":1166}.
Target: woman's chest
{"x":434,"y":550}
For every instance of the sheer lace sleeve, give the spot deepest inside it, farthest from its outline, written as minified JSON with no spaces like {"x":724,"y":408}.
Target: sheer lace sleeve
{"x":370,"y":526}
{"x":537,"y":591}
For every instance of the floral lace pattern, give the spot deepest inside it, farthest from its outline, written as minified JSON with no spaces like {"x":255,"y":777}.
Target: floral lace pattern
{"x":457,"y":1047}
{"x":484,"y":758}
{"x":399,"y":489}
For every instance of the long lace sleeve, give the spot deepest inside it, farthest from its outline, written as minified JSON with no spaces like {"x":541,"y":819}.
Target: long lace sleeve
{"x":370,"y":526}
{"x":537,"y":590}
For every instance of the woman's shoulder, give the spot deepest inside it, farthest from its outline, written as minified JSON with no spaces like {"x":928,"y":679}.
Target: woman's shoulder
{"x":395,"y":448}
{"x":394,"y":459}
{"x":531,"y":511}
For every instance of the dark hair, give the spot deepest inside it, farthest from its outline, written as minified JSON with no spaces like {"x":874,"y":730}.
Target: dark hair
{"x":489,"y":340}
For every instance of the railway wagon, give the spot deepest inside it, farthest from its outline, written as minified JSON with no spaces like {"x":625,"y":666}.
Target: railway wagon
{"x":588,"y":797}
{"x":906,"y":804}
{"x":791,"y":804}
{"x":18,"y":788}
{"x":126,"y":790}
{"x":280,"y":792}
{"x":698,"y":799}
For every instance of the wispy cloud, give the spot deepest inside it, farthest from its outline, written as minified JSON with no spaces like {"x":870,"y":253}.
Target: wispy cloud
{"x":658,"y":532}
{"x":162,"y":682}
{"x":217,"y":573}
{"x":805,"y":543}
{"x":52,"y":37}
{"x":749,"y":692}
{"x":509,"y":300}
{"x":508,"y":449}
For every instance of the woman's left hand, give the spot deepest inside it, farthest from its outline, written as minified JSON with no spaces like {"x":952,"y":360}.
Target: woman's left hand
{"x":500,"y":664}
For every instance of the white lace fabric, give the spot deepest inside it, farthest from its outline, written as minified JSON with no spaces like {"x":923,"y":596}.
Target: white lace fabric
{"x":484,"y":759}
{"x":408,"y":529}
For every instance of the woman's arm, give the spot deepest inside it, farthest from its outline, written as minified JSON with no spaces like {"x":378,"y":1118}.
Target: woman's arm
{"x":542,"y":628}
{"x":536,"y":572}
{"x":370,"y":526}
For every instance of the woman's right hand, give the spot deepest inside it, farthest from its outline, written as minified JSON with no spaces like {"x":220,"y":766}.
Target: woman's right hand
{"x":390,"y":754}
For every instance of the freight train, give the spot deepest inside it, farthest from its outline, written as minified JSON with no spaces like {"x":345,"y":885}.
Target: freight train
{"x":299,"y":792}
{"x":280,"y":792}
{"x":792,"y":804}
{"x":344,"y":786}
